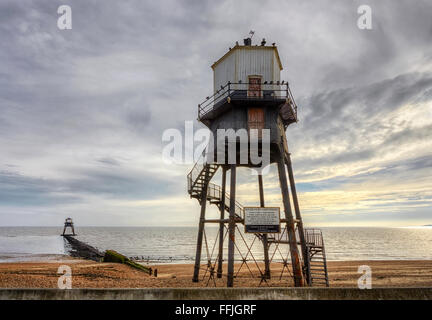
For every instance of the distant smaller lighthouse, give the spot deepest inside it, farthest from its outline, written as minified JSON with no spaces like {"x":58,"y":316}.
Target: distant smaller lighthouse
{"x":68,"y":224}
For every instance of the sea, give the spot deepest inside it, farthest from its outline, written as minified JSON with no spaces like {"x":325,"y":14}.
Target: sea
{"x":178,"y":244}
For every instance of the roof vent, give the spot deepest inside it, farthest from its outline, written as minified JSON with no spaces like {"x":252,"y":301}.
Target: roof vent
{"x":247,"y":41}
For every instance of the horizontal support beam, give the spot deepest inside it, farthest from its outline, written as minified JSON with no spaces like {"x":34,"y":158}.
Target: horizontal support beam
{"x":222,"y":221}
{"x":240,"y":221}
{"x":285,"y":220}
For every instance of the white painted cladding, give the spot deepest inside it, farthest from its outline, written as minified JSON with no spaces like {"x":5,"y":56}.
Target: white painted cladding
{"x":246,"y":61}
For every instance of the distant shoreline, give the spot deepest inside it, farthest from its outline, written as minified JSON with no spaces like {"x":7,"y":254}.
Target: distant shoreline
{"x":195,"y":227}
{"x":54,"y":258}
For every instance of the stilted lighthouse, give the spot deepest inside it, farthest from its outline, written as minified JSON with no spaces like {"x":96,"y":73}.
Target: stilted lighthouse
{"x":251,"y":103}
{"x":69,"y":224}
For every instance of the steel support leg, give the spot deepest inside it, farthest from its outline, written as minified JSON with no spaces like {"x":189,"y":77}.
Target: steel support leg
{"x":200,"y":231}
{"x":231,"y":231}
{"x":221,"y":224}
{"x":264,"y":238}
{"x":295,"y":258}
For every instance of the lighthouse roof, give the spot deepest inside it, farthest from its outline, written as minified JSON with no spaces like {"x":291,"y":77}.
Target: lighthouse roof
{"x":256,"y":47}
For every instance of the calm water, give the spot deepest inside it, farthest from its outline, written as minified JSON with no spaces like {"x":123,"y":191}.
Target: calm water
{"x":177,"y":244}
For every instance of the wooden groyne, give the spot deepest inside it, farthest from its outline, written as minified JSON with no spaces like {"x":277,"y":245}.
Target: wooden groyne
{"x":80,"y":249}
{"x":114,"y":256}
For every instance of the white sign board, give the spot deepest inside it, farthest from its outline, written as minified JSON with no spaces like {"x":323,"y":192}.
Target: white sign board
{"x":262,"y":220}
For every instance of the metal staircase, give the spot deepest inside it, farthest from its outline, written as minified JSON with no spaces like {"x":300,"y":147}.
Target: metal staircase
{"x":317,"y":273}
{"x":200,"y":175}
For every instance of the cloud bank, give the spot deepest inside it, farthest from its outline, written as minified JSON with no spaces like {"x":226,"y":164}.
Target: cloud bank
{"x":83,"y":110}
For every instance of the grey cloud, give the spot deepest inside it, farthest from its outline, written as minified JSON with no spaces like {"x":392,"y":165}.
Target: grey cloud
{"x":121,"y":184}
{"x":109,"y":161}
{"x":409,"y":136}
{"x":139,"y":119}
{"x":18,"y":190}
{"x":353,"y":113}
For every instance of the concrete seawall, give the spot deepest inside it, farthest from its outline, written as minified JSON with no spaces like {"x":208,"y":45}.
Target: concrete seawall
{"x":220,"y":294}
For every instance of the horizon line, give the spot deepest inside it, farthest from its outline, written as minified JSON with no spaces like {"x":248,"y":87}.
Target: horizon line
{"x":191,"y":226}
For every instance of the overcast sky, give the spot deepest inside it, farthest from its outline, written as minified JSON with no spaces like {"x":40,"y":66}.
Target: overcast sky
{"x":82,"y":111}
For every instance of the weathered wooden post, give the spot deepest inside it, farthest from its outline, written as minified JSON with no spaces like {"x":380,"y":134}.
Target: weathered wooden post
{"x":264,"y":236}
{"x":221,"y":224}
{"x":231,"y":227}
{"x":301,"y":232}
{"x":295,"y":258}
{"x":201,"y":228}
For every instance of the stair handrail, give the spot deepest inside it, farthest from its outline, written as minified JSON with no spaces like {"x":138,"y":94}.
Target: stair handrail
{"x":313,"y":237}
{"x":214,"y":191}
{"x":291,"y":97}
{"x":194,"y":174}
{"x":239,"y":209}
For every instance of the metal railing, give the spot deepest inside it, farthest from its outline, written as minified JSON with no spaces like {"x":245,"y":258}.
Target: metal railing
{"x":283,"y":236}
{"x":195,"y":172}
{"x":215,"y":192}
{"x":313,"y":237}
{"x":244,"y":91}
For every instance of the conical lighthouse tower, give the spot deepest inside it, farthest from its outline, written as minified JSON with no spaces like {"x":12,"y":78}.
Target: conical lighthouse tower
{"x":251,"y":103}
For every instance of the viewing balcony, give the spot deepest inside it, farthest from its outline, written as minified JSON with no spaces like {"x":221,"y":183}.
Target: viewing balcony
{"x":249,"y":94}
